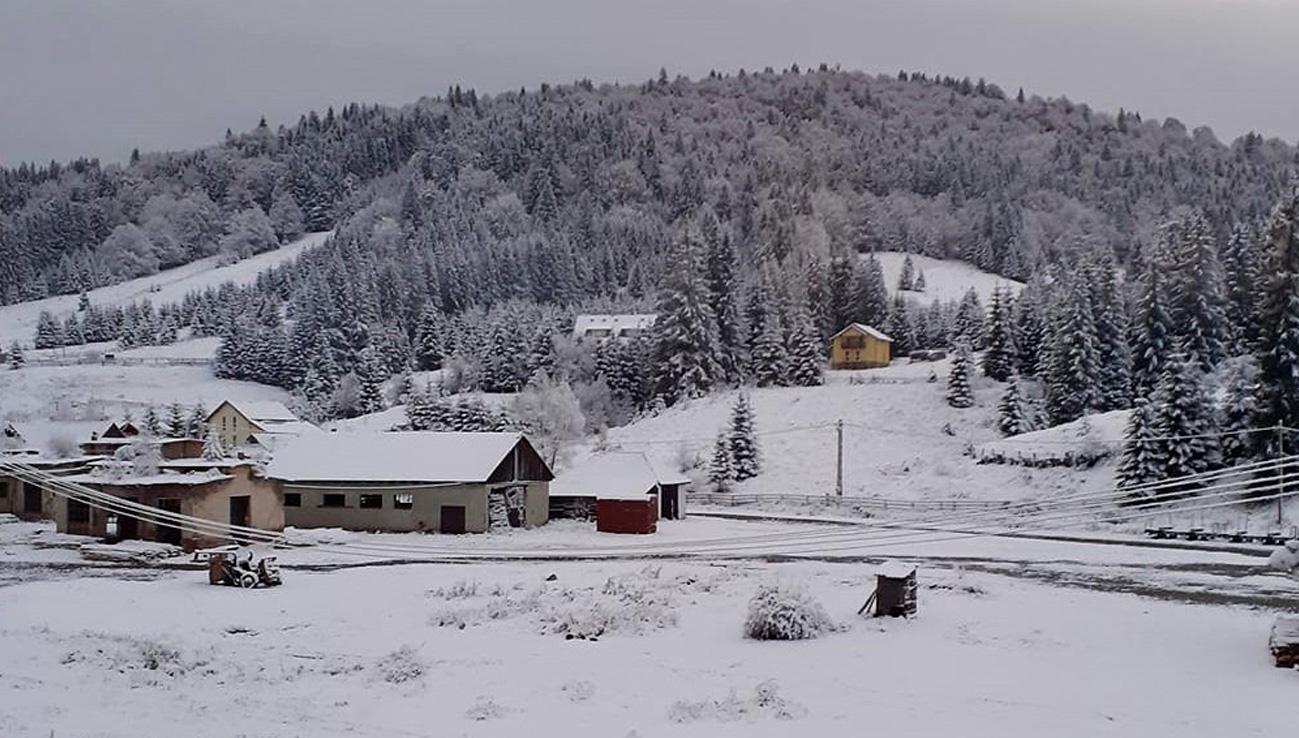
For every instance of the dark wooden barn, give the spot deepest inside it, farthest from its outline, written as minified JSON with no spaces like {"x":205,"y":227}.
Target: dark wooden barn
{"x":895,"y":590}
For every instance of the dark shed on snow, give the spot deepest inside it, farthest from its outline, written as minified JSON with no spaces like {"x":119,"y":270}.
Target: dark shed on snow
{"x":895,"y":590}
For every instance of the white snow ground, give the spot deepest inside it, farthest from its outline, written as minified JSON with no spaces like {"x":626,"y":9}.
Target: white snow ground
{"x":945,"y":279}
{"x":481,"y":650}
{"x":18,"y":322}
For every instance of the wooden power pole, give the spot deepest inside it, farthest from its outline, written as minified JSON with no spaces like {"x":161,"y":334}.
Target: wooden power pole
{"x":838,"y":465}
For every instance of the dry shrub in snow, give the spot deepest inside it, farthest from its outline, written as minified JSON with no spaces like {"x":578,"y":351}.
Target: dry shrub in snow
{"x":463,"y":589}
{"x":402,"y":665}
{"x":485,"y":709}
{"x":578,"y":691}
{"x":765,"y":702}
{"x":785,"y":612}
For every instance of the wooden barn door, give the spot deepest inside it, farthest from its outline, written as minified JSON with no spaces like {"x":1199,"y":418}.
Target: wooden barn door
{"x":128,"y":528}
{"x":31,"y":499}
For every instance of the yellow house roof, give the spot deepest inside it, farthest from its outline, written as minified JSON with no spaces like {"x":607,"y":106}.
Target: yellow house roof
{"x":866,"y":330}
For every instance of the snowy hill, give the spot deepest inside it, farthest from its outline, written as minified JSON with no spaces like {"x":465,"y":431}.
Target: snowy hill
{"x":945,"y":279}
{"x":18,"y":321}
{"x":895,"y":442}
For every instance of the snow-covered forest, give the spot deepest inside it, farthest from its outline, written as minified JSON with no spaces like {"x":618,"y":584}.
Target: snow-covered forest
{"x":744,"y":209}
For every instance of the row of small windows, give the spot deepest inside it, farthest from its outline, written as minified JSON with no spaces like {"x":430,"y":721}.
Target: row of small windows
{"x":374,"y":501}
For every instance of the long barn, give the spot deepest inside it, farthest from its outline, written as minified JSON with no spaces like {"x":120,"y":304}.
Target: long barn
{"x":412,"y":481}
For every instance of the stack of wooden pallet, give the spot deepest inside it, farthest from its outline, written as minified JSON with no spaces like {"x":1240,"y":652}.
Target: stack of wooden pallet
{"x":1285,"y":642}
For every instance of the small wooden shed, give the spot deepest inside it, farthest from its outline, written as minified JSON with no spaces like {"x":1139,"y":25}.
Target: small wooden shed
{"x":860,"y":346}
{"x":895,"y":590}
{"x":638,"y":514}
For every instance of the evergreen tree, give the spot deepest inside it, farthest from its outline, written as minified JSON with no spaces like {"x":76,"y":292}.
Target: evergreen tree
{"x":1236,"y":414}
{"x":803,"y":348}
{"x":152,"y":424}
{"x":1030,"y":331}
{"x":430,"y":350}
{"x":685,"y":331}
{"x":371,"y":375}
{"x":176,"y":424}
{"x":969,"y":324}
{"x":49,"y":332}
{"x":1197,"y":314}
{"x":920,"y":281}
{"x":1153,"y":340}
{"x":724,"y":301}
{"x":907,"y":279}
{"x":959,"y":394}
{"x":1241,"y":266}
{"x":1276,"y":399}
{"x":745,"y":458}
{"x":1113,"y":357}
{"x":212,"y":449}
{"x":999,"y":357}
{"x":769,"y":360}
{"x":197,"y":425}
{"x":1184,"y":417}
{"x":872,"y":297}
{"x":844,"y":286}
{"x":899,"y":327}
{"x":16,"y":357}
{"x":1011,"y":418}
{"x":1144,"y":458}
{"x":721,"y":468}
{"x":1071,"y":381}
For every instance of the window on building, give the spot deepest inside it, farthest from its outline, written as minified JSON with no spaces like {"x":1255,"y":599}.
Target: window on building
{"x":334,"y":500}
{"x":599,"y":332}
{"x":78,"y":512}
{"x":4,"y":490}
{"x":293,"y":499}
{"x":372,"y":502}
{"x":404,"y":501}
{"x":853,"y":342}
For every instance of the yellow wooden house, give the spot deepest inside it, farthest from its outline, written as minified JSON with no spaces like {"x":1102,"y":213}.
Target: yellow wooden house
{"x":860,"y":347}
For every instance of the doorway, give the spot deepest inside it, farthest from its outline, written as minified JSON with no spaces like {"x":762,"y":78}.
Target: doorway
{"x":452,"y":519}
{"x":128,"y":527}
{"x":168,"y":533}
{"x":240,"y":515}
{"x":32,"y":499}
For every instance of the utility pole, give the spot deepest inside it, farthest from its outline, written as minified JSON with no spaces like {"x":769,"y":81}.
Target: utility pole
{"x":838,"y":466}
{"x":1280,"y":447}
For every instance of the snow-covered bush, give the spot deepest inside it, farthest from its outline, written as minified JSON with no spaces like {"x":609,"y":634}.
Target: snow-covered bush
{"x":462,"y":589}
{"x":485,"y":708}
{"x":402,"y":665}
{"x":785,"y":612}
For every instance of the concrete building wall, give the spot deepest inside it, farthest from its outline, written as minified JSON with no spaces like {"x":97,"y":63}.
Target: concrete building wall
{"x":424,"y":514}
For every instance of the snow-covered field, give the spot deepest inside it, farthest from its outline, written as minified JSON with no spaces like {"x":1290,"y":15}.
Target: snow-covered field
{"x":18,"y":322}
{"x":620,"y":649}
{"x":945,"y":279}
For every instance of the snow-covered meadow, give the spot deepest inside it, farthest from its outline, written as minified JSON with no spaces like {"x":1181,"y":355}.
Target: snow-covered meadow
{"x":618,"y":649}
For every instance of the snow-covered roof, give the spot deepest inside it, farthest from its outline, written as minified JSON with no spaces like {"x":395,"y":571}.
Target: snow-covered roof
{"x":666,"y":474}
{"x":608,"y":476}
{"x":162,"y":478}
{"x":412,"y":456}
{"x":265,"y":411}
{"x":615,"y":325}
{"x":895,"y":569}
{"x":865,"y":329}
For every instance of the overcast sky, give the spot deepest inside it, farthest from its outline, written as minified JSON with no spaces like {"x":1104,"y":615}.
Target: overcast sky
{"x":99,"y":77}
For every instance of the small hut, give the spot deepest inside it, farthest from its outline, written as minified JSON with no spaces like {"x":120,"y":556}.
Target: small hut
{"x":895,"y":590}
{"x":860,"y":347}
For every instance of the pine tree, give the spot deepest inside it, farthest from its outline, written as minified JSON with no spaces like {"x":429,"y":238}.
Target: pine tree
{"x":1241,"y":277}
{"x":152,"y":424}
{"x":430,"y":350}
{"x":724,"y":301}
{"x":16,"y":357}
{"x":803,"y":348}
{"x":872,"y":296}
{"x":212,"y":449}
{"x":1011,"y":418}
{"x":685,"y":331}
{"x":899,"y":327}
{"x":721,"y":468}
{"x":1030,"y":331}
{"x":745,"y":458}
{"x":959,"y":394}
{"x":1114,"y":359}
{"x":999,"y":357}
{"x":1236,"y":414}
{"x":1071,"y":381}
{"x":1276,"y":398}
{"x":1144,"y":460}
{"x":907,"y":279}
{"x":197,"y":425}
{"x":920,"y":281}
{"x":769,"y":360}
{"x":1184,"y":418}
{"x":176,"y":426}
{"x":371,"y":375}
{"x":1152,"y":341}
{"x":844,"y":286}
{"x":49,"y":332}
{"x":969,"y":324}
{"x":1201,"y":324}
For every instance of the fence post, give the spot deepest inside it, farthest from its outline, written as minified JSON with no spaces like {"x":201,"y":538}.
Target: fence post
{"x":838,"y":469}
